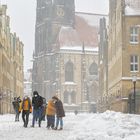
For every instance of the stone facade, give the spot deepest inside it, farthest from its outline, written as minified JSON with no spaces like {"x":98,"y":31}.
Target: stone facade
{"x":79,"y":78}
{"x":58,"y":67}
{"x":123,"y":56}
{"x":50,"y":16}
{"x":11,"y":63}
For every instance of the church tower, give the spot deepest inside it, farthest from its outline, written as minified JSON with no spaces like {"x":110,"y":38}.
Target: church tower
{"x":51,"y":15}
{"x":63,"y":15}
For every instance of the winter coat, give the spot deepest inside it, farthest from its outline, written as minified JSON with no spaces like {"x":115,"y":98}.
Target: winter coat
{"x":16,"y":105}
{"x":37,"y":102}
{"x":26,"y":105}
{"x":59,"y":109}
{"x":50,"y":108}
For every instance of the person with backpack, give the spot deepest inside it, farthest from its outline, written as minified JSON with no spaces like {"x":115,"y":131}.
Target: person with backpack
{"x":37,"y":103}
{"x":26,"y":108}
{"x":16,"y":106}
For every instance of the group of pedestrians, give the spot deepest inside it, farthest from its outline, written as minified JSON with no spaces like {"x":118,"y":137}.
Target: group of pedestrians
{"x":39,"y":109}
{"x":55,"y":106}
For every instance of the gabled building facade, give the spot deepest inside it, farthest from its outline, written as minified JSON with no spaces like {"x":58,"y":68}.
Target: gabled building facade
{"x":11,"y":64}
{"x":123,"y":56}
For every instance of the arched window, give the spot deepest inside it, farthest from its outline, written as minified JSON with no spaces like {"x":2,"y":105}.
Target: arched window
{"x":69,"y":72}
{"x":93,"y":70}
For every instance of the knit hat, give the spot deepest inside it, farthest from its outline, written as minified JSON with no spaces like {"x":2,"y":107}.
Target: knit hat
{"x":35,"y":93}
{"x":55,"y":97}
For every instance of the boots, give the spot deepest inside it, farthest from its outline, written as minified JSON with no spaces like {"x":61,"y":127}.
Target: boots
{"x":60,"y":128}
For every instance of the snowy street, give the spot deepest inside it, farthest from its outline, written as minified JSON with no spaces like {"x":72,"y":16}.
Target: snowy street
{"x":105,"y":126}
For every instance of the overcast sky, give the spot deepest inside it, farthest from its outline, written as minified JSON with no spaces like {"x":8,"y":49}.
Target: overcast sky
{"x":22,"y":20}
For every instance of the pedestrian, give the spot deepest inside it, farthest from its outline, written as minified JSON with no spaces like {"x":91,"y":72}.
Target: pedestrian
{"x":26,"y":108}
{"x":16,"y":106}
{"x":37,"y":103}
{"x":59,"y":112}
{"x":50,"y":114}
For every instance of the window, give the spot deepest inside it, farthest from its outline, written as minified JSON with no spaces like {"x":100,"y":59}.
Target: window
{"x":134,"y":63}
{"x":93,"y":70}
{"x":69,"y":72}
{"x":134,"y":35}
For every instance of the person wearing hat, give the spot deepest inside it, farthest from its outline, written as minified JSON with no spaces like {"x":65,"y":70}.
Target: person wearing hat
{"x":16,"y":105}
{"x":60,"y":113}
{"x":37,"y":103}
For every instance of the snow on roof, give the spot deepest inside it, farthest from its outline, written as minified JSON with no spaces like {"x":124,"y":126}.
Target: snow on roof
{"x":132,"y":7}
{"x":72,"y":39}
{"x":69,"y":83}
{"x":79,"y":48}
{"x":69,"y":36}
{"x":92,"y":19}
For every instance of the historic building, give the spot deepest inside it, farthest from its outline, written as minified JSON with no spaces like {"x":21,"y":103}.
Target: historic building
{"x":11,"y":63}
{"x":66,"y":54}
{"x":50,"y":15}
{"x":78,"y":68}
{"x":123,"y":56}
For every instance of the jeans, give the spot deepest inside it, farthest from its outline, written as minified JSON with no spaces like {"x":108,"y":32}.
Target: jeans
{"x":37,"y":114}
{"x":25,"y":117}
{"x":50,"y":121}
{"x":59,"y":119}
{"x":17,"y":115}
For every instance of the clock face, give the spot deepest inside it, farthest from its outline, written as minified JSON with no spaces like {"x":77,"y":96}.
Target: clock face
{"x":60,"y":11}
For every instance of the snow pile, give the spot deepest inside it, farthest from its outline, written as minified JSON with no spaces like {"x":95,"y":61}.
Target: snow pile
{"x":84,"y":126}
{"x":107,"y":126}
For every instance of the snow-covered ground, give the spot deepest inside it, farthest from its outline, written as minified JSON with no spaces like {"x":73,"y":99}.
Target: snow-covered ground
{"x":105,"y":126}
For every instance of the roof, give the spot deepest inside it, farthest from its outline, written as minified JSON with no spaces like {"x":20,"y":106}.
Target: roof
{"x":85,"y":31}
{"x":91,"y":18}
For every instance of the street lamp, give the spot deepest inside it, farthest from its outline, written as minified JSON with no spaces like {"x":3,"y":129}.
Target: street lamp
{"x":134,"y":79}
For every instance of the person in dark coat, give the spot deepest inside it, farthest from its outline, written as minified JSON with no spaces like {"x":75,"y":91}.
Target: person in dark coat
{"x":60,"y":113}
{"x":37,"y":103}
{"x":16,"y":106}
